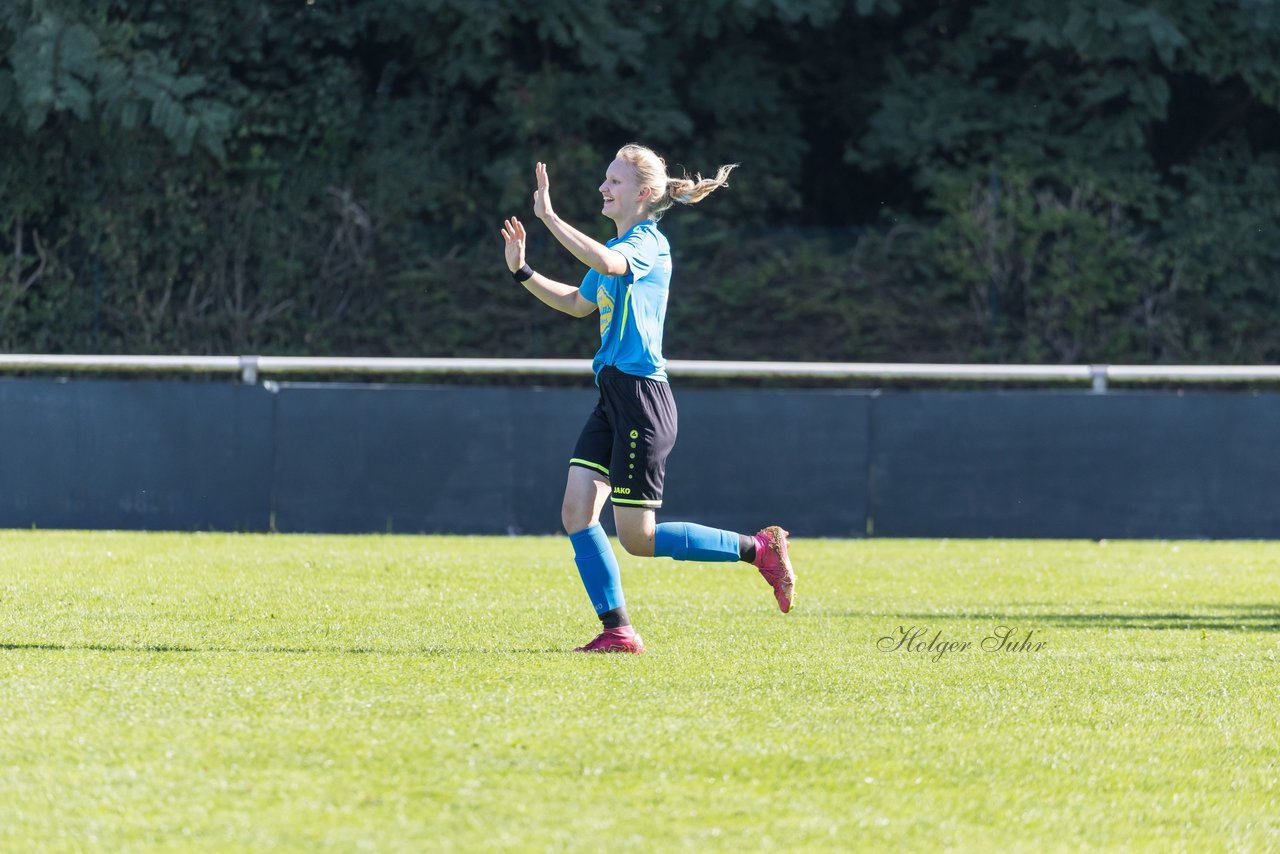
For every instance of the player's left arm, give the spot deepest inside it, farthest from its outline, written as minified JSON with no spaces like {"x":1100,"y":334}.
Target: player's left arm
{"x":593,"y":253}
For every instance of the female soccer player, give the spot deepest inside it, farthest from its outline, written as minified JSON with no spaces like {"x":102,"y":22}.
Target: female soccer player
{"x":622,"y":452}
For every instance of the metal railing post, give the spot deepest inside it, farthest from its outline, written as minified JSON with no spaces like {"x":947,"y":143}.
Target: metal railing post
{"x":1099,"y":374}
{"x":249,"y":370}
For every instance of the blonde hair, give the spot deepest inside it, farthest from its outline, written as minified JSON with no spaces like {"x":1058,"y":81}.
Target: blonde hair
{"x":652,"y":172}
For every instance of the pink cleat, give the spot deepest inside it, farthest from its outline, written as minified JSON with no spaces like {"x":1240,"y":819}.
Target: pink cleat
{"x":775,"y":565}
{"x":621,"y":639}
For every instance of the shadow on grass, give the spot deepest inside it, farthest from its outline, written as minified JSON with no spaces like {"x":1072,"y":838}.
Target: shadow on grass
{"x":278,"y":650}
{"x":1248,"y":618}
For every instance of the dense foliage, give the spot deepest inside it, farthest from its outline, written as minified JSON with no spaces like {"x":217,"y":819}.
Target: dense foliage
{"x":989,"y":180}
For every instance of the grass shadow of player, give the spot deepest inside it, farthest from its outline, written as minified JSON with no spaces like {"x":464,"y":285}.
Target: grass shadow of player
{"x":1244,"y":618}
{"x":421,"y":652}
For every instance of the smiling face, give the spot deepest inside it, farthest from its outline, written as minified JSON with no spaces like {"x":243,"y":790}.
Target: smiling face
{"x":624,"y":198}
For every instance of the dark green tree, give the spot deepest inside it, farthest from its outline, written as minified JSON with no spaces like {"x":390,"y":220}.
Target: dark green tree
{"x":1043,"y":181}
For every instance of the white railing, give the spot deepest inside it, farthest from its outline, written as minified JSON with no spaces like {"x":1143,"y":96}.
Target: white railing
{"x":251,"y":368}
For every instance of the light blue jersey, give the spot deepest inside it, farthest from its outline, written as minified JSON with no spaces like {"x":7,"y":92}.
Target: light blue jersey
{"x":633,"y":307}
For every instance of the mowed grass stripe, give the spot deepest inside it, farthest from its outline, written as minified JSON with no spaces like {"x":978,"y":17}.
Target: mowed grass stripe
{"x":209,"y":691}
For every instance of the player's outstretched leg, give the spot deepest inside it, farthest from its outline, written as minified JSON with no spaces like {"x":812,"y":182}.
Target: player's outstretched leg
{"x":766,"y":550}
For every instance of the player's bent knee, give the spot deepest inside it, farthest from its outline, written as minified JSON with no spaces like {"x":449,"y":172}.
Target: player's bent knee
{"x":636,"y":543}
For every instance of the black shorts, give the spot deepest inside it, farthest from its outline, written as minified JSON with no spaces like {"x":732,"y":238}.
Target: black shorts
{"x":628,"y":437}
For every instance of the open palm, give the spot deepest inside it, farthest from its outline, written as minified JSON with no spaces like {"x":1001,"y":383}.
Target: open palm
{"x":542,"y":195}
{"x":513,"y":234}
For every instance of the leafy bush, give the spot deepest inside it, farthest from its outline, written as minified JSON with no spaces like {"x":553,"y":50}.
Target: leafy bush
{"x":1000,"y":180}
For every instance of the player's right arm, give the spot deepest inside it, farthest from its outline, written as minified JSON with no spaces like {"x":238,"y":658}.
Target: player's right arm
{"x":558,"y":295}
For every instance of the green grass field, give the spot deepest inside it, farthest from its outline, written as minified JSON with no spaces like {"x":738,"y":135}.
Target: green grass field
{"x":177,"y":691}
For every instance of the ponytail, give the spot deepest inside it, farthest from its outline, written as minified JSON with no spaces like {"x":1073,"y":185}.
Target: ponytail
{"x":652,"y":172}
{"x":690,"y":191}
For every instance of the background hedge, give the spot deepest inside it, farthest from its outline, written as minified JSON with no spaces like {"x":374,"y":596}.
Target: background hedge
{"x":1022,"y":180}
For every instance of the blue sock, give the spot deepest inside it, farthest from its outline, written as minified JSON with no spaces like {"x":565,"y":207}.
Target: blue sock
{"x":598,"y":567}
{"x":687,"y":541}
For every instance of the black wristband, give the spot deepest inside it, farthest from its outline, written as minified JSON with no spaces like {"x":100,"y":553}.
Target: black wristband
{"x":523,"y":274}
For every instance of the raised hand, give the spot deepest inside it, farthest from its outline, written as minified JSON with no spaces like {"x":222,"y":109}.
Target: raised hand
{"x":542,"y":195}
{"x":513,"y":234}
